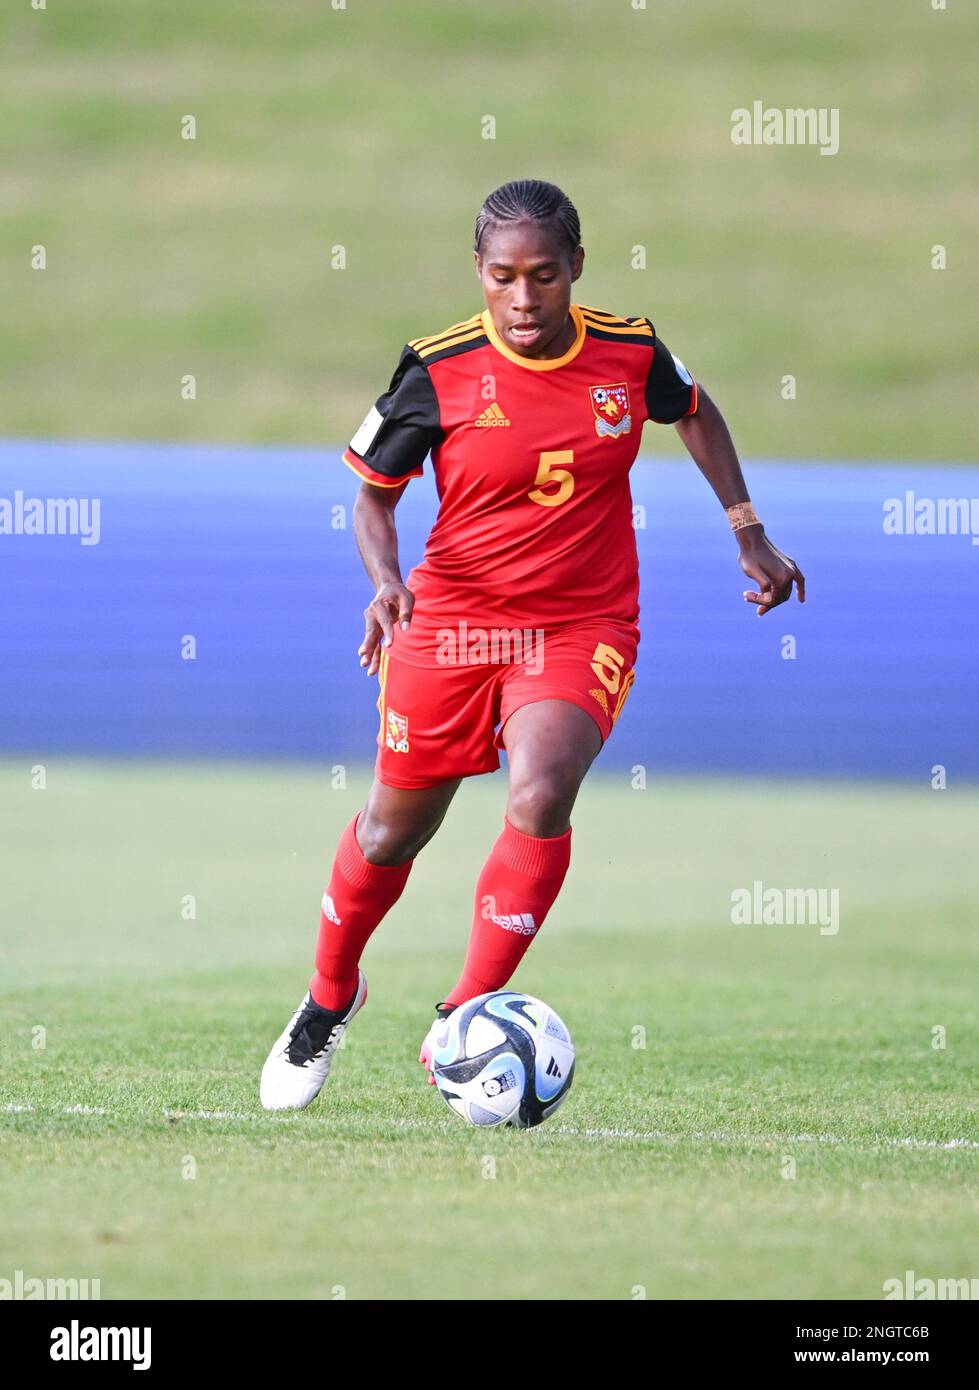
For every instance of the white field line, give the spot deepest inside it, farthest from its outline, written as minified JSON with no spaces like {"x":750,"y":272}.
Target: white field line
{"x":207,"y":1115}
{"x":642,"y":1135}
{"x":718,"y":1137}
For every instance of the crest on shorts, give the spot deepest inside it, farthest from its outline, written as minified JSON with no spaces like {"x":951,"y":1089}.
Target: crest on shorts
{"x":397,"y":732}
{"x":611,"y":407}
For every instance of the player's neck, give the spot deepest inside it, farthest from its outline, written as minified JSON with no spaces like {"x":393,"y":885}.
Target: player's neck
{"x":561,"y":343}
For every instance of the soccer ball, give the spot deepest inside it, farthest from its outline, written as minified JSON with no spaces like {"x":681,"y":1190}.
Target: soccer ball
{"x":504,"y":1059}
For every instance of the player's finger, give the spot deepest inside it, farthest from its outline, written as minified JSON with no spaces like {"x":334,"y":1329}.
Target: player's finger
{"x":766,"y":600}
{"x":372,"y":628}
{"x":382,"y":615}
{"x":800,"y":584}
{"x":781,"y":592}
{"x":372,"y":658}
{"x":371,"y":637}
{"x":405,"y":606}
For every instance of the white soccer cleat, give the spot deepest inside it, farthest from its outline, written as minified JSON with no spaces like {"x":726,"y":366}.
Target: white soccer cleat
{"x":302,"y":1055}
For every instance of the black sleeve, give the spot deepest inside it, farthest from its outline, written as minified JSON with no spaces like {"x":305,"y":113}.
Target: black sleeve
{"x":400,"y":428}
{"x":671,"y":391}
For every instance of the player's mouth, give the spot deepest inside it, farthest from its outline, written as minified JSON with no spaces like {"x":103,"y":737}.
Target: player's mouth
{"x":526,"y":334}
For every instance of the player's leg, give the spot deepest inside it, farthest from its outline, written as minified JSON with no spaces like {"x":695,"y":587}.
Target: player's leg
{"x":370,"y":870}
{"x":556,"y":713}
{"x":397,"y":822}
{"x":550,"y":746}
{"x":436,"y":727}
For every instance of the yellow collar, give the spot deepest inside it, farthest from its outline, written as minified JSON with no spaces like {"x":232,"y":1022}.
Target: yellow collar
{"x":537,"y":364}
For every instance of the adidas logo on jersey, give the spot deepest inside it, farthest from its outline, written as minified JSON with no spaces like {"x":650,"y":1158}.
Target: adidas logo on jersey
{"x":330,"y":910}
{"x":492,"y":415}
{"x":520,"y":922}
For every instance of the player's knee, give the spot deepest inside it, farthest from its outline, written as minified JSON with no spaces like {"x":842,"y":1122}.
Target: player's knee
{"x":384,"y":844}
{"x":542,"y":806}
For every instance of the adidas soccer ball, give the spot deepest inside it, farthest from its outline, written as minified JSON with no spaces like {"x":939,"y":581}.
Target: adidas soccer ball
{"x":504,"y":1059}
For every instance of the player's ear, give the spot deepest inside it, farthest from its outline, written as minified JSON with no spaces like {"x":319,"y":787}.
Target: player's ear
{"x":577,"y":261}
{"x":479,"y":271}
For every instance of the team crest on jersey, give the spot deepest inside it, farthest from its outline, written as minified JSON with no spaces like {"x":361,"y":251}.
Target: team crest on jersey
{"x":397,"y":731}
{"x":611,"y":407}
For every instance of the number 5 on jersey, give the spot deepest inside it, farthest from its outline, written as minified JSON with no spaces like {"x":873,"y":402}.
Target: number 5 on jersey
{"x":549,"y":471}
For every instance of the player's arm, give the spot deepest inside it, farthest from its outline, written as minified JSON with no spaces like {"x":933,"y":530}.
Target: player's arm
{"x":377,"y":540}
{"x":709,"y":443}
{"x":674,"y":398}
{"x":388,"y":451}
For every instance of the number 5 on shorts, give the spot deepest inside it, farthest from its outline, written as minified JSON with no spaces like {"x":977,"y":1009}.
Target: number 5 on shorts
{"x":608,"y":664}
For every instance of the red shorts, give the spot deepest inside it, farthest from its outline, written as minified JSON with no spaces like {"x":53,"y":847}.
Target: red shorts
{"x":445,"y":720}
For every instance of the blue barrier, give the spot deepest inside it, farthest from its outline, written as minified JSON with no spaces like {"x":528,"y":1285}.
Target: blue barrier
{"x":237,"y":547}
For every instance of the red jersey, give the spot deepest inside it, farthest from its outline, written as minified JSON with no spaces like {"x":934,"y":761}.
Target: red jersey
{"x":531,"y":459}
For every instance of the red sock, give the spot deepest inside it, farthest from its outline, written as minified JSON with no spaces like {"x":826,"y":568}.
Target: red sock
{"x":357,"y":897}
{"x":519,"y":882}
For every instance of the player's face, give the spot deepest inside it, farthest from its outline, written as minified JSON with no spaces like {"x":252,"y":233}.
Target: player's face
{"x":527,"y":277}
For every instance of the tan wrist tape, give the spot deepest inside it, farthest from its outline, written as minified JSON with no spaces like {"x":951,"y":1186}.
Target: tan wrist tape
{"x":742,"y":514}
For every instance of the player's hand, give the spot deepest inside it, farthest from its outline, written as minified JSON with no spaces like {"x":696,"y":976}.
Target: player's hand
{"x":773,"y":572}
{"x":390,"y":605}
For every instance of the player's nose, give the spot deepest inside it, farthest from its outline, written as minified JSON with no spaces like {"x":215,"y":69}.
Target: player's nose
{"x":525,"y":297}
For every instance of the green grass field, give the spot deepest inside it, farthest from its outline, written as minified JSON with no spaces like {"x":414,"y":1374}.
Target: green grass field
{"x":665,"y":1168}
{"x":363,"y":128}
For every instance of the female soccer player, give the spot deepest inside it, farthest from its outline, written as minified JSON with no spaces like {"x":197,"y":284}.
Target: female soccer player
{"x":518,"y":629}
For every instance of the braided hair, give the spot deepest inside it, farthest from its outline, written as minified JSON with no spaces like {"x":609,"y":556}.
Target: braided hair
{"x":531,"y":200}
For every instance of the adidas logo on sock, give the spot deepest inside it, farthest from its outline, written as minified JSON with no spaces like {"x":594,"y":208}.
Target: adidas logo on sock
{"x":492,"y":415}
{"x":329,"y":909}
{"x":520,"y":922}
